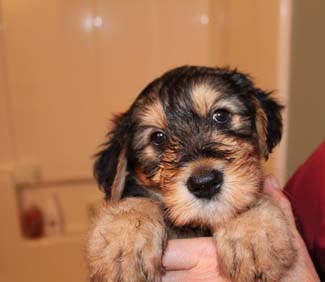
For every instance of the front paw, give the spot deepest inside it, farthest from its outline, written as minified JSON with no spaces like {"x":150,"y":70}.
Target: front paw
{"x":126,"y":243}
{"x":250,"y":249}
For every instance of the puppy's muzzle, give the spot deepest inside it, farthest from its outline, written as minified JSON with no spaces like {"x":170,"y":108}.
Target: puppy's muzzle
{"x":205,"y":183}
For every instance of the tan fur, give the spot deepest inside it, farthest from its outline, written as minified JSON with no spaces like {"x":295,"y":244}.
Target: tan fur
{"x":230,"y":104}
{"x":153,"y":116}
{"x":233,"y":198}
{"x":261,"y":127}
{"x":119,"y":180}
{"x":153,"y":183}
{"x":126,"y":242}
{"x":256,"y":245}
{"x":203,"y":98}
{"x":206,"y":100}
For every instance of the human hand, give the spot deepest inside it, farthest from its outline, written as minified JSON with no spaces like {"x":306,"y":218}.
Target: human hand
{"x":304,"y":269}
{"x":193,"y":260}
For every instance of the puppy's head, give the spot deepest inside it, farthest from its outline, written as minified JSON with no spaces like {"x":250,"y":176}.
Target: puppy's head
{"x":194,"y":138}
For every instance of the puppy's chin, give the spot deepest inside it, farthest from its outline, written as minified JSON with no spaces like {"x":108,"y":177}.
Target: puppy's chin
{"x":184,"y":209}
{"x":235,"y":196}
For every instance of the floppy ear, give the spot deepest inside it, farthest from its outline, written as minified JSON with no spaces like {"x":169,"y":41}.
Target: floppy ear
{"x":110,"y":167}
{"x":268,"y":122}
{"x":268,"y":113}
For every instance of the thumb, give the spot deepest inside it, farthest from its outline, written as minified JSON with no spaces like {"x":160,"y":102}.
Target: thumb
{"x":272,"y":188}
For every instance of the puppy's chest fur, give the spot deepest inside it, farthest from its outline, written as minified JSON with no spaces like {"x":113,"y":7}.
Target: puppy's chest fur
{"x":132,"y":189}
{"x":185,"y":232}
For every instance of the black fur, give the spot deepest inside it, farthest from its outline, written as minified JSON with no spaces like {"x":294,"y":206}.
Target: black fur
{"x":270,"y":106}
{"x":274,"y":120}
{"x":105,"y":166}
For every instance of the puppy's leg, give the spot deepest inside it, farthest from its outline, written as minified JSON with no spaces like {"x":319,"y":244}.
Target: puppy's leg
{"x":126,"y":242}
{"x":257,"y":245}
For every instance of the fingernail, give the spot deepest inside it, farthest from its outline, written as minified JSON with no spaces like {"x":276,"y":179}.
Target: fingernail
{"x":274,"y":182}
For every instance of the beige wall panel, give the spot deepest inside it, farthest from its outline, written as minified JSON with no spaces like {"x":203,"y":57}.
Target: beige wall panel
{"x":48,"y":56}
{"x":219,"y":32}
{"x":77,"y":62}
{"x":182,"y":34}
{"x":253,"y":32}
{"x":6,"y":138}
{"x":141,"y":40}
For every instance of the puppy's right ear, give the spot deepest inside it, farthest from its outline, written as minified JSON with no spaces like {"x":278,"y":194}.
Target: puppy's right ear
{"x":111,"y":163}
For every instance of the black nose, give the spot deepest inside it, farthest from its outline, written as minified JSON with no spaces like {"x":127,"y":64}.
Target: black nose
{"x":205,"y":184}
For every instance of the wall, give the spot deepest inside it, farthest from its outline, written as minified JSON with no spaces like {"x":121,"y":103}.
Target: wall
{"x":65,"y":76}
{"x":67,"y":66}
{"x":7,"y":146}
{"x":307,"y":94}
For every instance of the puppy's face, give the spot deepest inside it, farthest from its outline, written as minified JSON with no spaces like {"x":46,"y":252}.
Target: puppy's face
{"x":194,"y":138}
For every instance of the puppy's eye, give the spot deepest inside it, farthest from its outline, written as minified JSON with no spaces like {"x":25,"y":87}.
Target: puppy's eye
{"x":221,"y":116}
{"x":158,"y":138}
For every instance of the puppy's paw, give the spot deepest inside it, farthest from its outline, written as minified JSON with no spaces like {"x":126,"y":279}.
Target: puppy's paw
{"x":126,"y":242}
{"x":256,"y":246}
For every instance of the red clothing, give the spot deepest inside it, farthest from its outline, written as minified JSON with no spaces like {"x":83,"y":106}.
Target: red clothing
{"x":306,"y":192}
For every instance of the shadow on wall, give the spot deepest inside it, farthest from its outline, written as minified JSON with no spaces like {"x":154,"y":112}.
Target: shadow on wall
{"x":307,"y":95}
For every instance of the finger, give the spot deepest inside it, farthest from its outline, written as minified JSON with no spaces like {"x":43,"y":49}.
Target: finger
{"x":272,"y":181}
{"x":184,"y":254}
{"x":176,"y":257}
{"x":174,"y":276}
{"x":273,"y":189}
{"x":178,"y":276}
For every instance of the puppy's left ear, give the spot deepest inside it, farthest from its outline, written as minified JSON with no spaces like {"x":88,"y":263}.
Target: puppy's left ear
{"x":110,"y":168}
{"x":268,"y":122}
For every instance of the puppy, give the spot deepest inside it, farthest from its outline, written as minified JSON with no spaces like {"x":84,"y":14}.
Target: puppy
{"x":185,"y":161}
